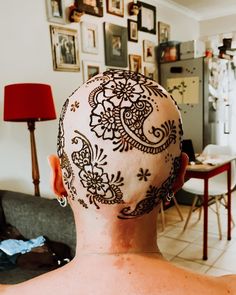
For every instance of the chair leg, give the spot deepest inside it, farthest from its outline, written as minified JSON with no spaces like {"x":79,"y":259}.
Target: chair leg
{"x":200,"y":213}
{"x":218,"y":218}
{"x":225,"y":204}
{"x":178,"y":209}
{"x":190,"y":212}
{"x":162,"y":216}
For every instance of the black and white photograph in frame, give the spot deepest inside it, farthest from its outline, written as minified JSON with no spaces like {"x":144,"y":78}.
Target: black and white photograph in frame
{"x":65,"y":54}
{"x":163,"y":32}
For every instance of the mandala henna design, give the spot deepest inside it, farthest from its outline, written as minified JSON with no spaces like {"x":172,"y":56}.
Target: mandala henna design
{"x":153,"y":196}
{"x":120,"y":110}
{"x":101,"y":187}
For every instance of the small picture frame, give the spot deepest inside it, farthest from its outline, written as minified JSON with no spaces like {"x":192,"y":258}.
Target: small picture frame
{"x":132,"y":30}
{"x":147,"y":18}
{"x":163,"y":32}
{"x":65,"y":52}
{"x":89,"y":36}
{"x":90,"y":69}
{"x":148,"y":51}
{"x":115,"y":7}
{"x":135,"y":63}
{"x":93,"y":7}
{"x":115,"y":45}
{"x":56,"y":11}
{"x":150,"y":71}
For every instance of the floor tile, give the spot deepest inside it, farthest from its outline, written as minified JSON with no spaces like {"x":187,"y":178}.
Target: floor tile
{"x":227,"y":261}
{"x":187,"y":235}
{"x":194,"y":252}
{"x":171,"y":246}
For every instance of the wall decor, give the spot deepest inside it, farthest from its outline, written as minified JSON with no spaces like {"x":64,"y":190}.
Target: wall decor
{"x":56,"y":11}
{"x":132,"y":30}
{"x":90,"y":69}
{"x":64,"y":49}
{"x":89,"y":34}
{"x":163,"y":32}
{"x":147,"y":18}
{"x":150,"y":71}
{"x":115,"y":38}
{"x":135,"y":63}
{"x":148,"y":51}
{"x":94,"y":7}
{"x":115,"y":7}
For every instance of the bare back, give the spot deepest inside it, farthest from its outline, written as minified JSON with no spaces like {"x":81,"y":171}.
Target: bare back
{"x":124,"y":274}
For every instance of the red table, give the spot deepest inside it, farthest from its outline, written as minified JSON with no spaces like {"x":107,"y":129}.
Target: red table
{"x":204,"y":171}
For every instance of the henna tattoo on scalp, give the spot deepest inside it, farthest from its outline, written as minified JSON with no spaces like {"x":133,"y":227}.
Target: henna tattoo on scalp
{"x":121,"y":115}
{"x":67,"y":171}
{"x":153,"y":196}
{"x":101,"y":187}
{"x":143,"y":174}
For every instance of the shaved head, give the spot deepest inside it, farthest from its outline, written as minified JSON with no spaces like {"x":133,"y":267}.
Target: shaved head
{"x":119,"y":142}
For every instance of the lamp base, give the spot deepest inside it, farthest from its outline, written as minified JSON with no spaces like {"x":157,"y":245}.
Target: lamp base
{"x":35,"y":168}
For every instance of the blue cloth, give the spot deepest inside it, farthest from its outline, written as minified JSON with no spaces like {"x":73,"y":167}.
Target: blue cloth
{"x":11,"y":246}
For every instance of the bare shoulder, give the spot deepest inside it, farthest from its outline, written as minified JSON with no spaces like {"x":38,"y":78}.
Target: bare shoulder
{"x":230,"y":282}
{"x":7,"y":290}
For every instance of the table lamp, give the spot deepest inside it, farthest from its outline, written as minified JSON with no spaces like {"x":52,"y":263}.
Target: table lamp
{"x":29,"y":102}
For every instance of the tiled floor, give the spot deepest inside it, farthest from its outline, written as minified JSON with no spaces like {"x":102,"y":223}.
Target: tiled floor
{"x":184,"y":248}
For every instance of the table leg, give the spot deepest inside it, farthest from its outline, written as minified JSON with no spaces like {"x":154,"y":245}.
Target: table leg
{"x":229,"y":201}
{"x":205,"y":221}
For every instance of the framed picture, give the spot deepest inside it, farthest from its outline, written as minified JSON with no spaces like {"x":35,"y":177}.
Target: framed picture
{"x":115,"y":7}
{"x":150,"y":72}
{"x":89,"y":34}
{"x":64,"y":49}
{"x":135,"y":63}
{"x":147,"y":18}
{"x":94,"y":7}
{"x":132,"y":30}
{"x":56,"y":11}
{"x":148,"y":51}
{"x":90,"y":69}
{"x":115,"y":45}
{"x":163,"y":32}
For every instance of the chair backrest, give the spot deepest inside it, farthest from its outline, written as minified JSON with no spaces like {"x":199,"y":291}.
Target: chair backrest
{"x":214,"y":150}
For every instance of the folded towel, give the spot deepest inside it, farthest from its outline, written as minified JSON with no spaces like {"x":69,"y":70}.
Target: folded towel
{"x":11,"y":246}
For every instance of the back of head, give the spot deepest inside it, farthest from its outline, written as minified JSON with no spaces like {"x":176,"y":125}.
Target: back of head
{"x":119,"y":143}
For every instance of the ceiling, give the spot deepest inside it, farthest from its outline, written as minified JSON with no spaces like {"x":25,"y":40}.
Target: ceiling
{"x":205,"y":9}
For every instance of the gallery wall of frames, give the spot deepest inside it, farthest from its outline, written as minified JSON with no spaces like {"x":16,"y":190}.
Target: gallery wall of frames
{"x":125,"y":33}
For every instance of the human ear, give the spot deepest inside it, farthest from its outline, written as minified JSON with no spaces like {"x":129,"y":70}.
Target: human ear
{"x":56,"y":177}
{"x":180,"y":177}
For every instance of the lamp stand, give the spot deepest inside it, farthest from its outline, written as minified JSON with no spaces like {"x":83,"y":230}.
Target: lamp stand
{"x":35,"y":168}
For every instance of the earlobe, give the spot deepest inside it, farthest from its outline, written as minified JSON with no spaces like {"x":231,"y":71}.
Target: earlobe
{"x":180,"y":178}
{"x":56,"y":176}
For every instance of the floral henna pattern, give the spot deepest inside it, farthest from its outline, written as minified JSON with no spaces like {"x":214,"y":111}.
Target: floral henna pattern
{"x":120,"y":107}
{"x":101,"y":187}
{"x":153,"y":196}
{"x":67,"y":171}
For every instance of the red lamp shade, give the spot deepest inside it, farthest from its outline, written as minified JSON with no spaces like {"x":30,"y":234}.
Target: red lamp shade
{"x":28,"y":102}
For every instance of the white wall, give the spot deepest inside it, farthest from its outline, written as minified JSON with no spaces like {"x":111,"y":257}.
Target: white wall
{"x":25,"y":56}
{"x":219,"y":25}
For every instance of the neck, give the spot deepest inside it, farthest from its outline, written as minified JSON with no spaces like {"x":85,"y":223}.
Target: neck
{"x":101,"y":232}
